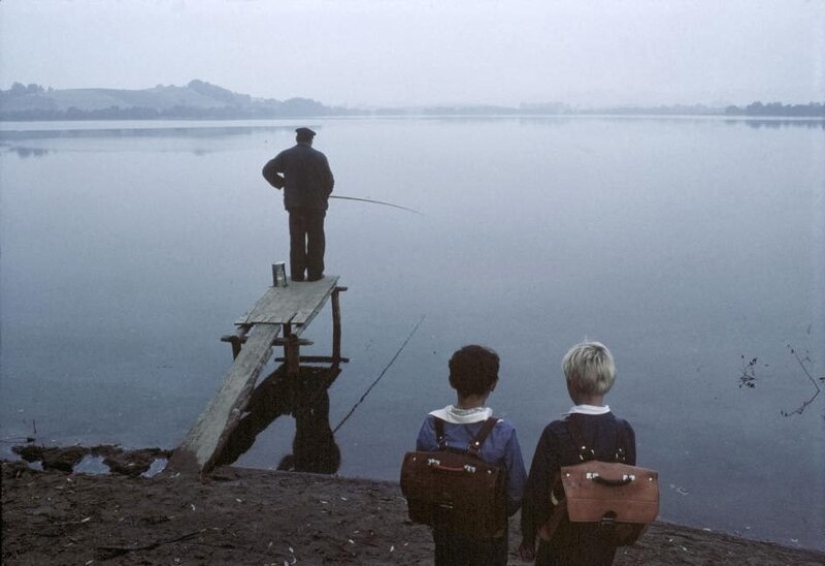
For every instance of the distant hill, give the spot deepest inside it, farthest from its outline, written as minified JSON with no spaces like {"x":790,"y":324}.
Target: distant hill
{"x":201,"y":100}
{"x":198,"y":99}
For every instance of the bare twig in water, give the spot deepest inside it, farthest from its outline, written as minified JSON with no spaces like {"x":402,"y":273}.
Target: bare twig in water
{"x":748,"y":377}
{"x":799,"y":410}
{"x":374,"y":383}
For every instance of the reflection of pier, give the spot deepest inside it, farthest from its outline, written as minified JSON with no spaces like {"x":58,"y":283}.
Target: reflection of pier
{"x":279,"y":318}
{"x":306,"y":398}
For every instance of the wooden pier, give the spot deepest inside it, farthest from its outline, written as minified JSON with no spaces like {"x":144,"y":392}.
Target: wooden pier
{"x":279,"y":318}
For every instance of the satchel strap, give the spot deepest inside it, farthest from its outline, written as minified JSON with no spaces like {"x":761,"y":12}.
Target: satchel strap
{"x":482,"y":435}
{"x":622,"y":440}
{"x":440,"y":437}
{"x":478,"y":439}
{"x":586,"y":454}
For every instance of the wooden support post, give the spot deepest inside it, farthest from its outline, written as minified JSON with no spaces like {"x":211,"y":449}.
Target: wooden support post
{"x":301,"y":342}
{"x":292,"y":352}
{"x":239,"y":338}
{"x":318,"y":359}
{"x":336,"y":325}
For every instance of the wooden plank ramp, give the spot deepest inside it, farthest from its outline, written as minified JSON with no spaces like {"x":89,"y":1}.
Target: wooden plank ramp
{"x":287,"y":309}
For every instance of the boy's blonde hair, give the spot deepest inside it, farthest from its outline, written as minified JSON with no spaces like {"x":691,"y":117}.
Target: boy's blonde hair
{"x":589,"y":368}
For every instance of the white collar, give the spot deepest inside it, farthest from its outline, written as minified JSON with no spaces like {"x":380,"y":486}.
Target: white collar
{"x":454,"y":415}
{"x":588,"y":410}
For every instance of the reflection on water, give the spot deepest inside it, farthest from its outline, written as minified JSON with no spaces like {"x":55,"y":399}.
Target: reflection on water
{"x":306,"y":398}
{"x":24,"y":152}
{"x":131,"y":130}
{"x":39,"y":139}
{"x":777,"y":123}
{"x":687,"y":245}
{"x":22,"y":138}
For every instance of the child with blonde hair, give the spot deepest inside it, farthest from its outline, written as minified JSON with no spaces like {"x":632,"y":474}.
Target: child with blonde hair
{"x":589,"y":372}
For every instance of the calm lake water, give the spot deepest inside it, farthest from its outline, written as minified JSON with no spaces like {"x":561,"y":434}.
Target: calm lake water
{"x":689,"y":246}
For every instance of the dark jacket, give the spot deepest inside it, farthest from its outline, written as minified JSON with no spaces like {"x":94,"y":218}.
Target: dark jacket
{"x":580,"y":543}
{"x":307,"y":179}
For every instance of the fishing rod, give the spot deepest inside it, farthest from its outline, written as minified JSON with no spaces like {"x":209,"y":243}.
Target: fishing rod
{"x":374,"y":383}
{"x":371,"y":201}
{"x":278,"y":182}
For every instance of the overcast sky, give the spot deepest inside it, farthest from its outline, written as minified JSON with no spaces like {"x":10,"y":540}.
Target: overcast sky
{"x":402,"y":52}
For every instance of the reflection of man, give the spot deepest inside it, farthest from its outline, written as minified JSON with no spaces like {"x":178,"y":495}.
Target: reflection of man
{"x":305,"y":176}
{"x":314,"y":448}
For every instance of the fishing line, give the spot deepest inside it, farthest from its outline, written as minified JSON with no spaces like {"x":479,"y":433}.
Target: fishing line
{"x":374,"y":383}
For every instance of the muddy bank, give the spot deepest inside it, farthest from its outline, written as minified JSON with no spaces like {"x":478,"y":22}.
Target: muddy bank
{"x":239,"y":516}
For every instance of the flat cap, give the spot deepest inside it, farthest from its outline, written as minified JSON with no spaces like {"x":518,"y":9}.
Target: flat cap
{"x":305,"y":132}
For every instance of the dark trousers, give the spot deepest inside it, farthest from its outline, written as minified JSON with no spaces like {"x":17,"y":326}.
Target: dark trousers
{"x":455,"y":550}
{"x":582,"y":544}
{"x":307,"y":243}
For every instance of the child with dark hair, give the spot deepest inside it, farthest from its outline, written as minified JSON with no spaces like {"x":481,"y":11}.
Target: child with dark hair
{"x":474,"y":375}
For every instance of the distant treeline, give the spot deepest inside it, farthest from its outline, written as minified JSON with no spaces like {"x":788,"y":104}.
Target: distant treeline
{"x":812,"y":110}
{"x":196,"y":100}
{"x":289,"y":108}
{"x":200,"y":100}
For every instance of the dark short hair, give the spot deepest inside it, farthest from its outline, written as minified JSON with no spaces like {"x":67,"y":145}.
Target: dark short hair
{"x":473,"y":370}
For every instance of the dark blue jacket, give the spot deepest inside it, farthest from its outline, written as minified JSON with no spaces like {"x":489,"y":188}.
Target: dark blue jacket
{"x":572,"y":544}
{"x":307,"y":179}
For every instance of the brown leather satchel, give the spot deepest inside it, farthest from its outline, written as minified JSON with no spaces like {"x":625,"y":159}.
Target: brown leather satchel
{"x":621,"y":499}
{"x":456,"y":491}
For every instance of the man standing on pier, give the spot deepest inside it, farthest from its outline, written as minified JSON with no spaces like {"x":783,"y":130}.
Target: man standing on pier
{"x":305,"y":176}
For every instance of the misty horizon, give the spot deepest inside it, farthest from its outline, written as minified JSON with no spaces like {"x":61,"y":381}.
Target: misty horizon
{"x":558,"y":105}
{"x":396,"y":53}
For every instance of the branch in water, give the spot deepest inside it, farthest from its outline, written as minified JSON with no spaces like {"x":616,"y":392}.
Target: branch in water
{"x":748,"y":377}
{"x":799,"y":410}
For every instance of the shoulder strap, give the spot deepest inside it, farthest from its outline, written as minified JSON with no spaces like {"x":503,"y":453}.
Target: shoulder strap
{"x":477,"y":441}
{"x":482,"y":435}
{"x":622,"y":440}
{"x":585,"y":454}
{"x":440,"y":437}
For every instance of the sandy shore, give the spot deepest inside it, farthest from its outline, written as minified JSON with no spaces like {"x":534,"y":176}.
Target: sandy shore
{"x":239,"y":516}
